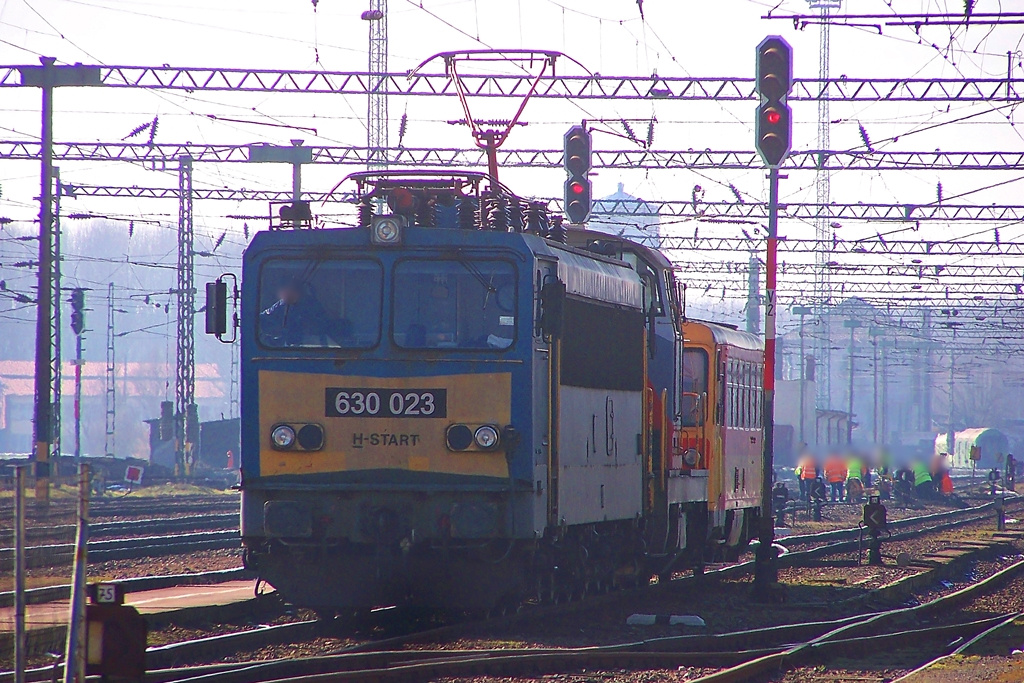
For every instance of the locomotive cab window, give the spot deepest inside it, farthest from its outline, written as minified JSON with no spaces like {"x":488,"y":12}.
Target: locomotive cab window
{"x":320,"y":303}
{"x":694,"y":387}
{"x":460,"y":304}
{"x":652,"y":289}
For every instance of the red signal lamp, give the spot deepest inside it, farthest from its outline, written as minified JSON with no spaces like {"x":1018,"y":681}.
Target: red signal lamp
{"x":773,"y":116}
{"x":576,"y":188}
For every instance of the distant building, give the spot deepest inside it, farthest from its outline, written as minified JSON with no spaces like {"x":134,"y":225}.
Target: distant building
{"x":623,"y":214}
{"x":140,"y":388}
{"x":792,"y":433}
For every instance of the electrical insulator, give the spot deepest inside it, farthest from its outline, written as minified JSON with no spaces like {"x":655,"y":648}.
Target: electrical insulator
{"x":516,"y":218}
{"x":557,"y":230}
{"x":537,"y":219}
{"x":467,"y":214}
{"x":365,"y":213}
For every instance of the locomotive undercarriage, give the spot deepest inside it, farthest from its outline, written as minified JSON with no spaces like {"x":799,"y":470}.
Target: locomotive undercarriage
{"x":462,"y":575}
{"x":471,"y":576}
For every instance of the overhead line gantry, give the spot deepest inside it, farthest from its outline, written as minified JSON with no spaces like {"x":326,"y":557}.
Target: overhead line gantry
{"x":580,"y":87}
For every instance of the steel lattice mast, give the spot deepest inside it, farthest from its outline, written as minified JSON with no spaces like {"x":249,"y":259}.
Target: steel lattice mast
{"x":185,"y":376}
{"x":55,"y":327}
{"x":377,"y":99}
{"x":110,"y":384}
{"x":823,"y":278}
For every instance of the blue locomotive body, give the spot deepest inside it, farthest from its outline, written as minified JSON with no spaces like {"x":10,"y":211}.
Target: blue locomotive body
{"x":432,"y":419}
{"x":451,"y":405}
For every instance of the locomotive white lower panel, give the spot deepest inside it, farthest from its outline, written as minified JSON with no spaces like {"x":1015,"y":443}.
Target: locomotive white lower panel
{"x":600,"y":468}
{"x":741,"y":469}
{"x":688,"y":488}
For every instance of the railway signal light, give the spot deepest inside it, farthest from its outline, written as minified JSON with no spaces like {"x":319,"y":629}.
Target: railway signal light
{"x":773,"y":127}
{"x":217,"y":308}
{"x":78,"y":311}
{"x":577,"y":162}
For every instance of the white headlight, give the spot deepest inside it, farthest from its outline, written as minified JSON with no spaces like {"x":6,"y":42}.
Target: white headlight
{"x":486,"y":436}
{"x":387,"y":229}
{"x":691,"y":456}
{"x":283,"y":436}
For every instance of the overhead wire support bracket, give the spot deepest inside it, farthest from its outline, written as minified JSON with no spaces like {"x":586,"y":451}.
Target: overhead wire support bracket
{"x":490,"y":135}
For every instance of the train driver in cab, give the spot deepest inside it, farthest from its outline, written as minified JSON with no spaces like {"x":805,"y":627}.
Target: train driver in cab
{"x":298,"y":318}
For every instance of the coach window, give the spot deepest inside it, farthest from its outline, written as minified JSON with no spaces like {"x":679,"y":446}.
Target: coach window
{"x":460,"y":304}
{"x":751,"y":392}
{"x":741,"y":394}
{"x":741,"y":402}
{"x":733,"y":394}
{"x":320,"y":303}
{"x":759,"y":396}
{"x":737,"y":383}
{"x":727,"y":418}
{"x":748,"y":391}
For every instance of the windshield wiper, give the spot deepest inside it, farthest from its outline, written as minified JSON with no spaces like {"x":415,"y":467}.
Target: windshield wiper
{"x":472,"y":269}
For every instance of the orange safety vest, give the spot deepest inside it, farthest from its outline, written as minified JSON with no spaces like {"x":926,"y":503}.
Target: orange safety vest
{"x":835,"y":471}
{"x":947,"y":484}
{"x":807,"y":469}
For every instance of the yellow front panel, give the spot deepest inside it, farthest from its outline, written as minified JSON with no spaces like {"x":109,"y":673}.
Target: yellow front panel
{"x":361,"y":443}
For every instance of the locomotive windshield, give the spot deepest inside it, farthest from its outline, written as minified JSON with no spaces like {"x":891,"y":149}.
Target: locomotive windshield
{"x":460,"y":304}
{"x":695,"y":386}
{"x":320,"y":303}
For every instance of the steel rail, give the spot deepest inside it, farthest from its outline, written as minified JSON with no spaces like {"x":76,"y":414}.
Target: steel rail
{"x":406,"y":665}
{"x":158,"y":504}
{"x":282,"y":633}
{"x":721,"y":641}
{"x":151,"y":526}
{"x":943,"y":658}
{"x":790,"y":657}
{"x":119,"y":549}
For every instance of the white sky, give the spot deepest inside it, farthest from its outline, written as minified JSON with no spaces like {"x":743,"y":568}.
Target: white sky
{"x":679,"y":37}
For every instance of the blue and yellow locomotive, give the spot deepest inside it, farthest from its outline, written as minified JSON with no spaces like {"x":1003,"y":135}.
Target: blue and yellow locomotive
{"x":451,"y":405}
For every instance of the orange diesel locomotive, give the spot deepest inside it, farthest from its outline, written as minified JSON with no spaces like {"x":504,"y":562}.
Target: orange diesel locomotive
{"x":721,"y":425}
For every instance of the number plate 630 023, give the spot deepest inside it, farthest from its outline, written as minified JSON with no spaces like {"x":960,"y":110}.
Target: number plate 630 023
{"x":343,"y":402}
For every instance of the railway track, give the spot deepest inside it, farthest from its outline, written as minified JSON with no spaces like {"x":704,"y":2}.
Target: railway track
{"x":816,"y":545}
{"x":922,"y":673}
{"x":128,"y":528}
{"x":736,"y":656}
{"x":884,"y":631}
{"x":124,"y":548}
{"x":100,"y":508}
{"x":705,"y":651}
